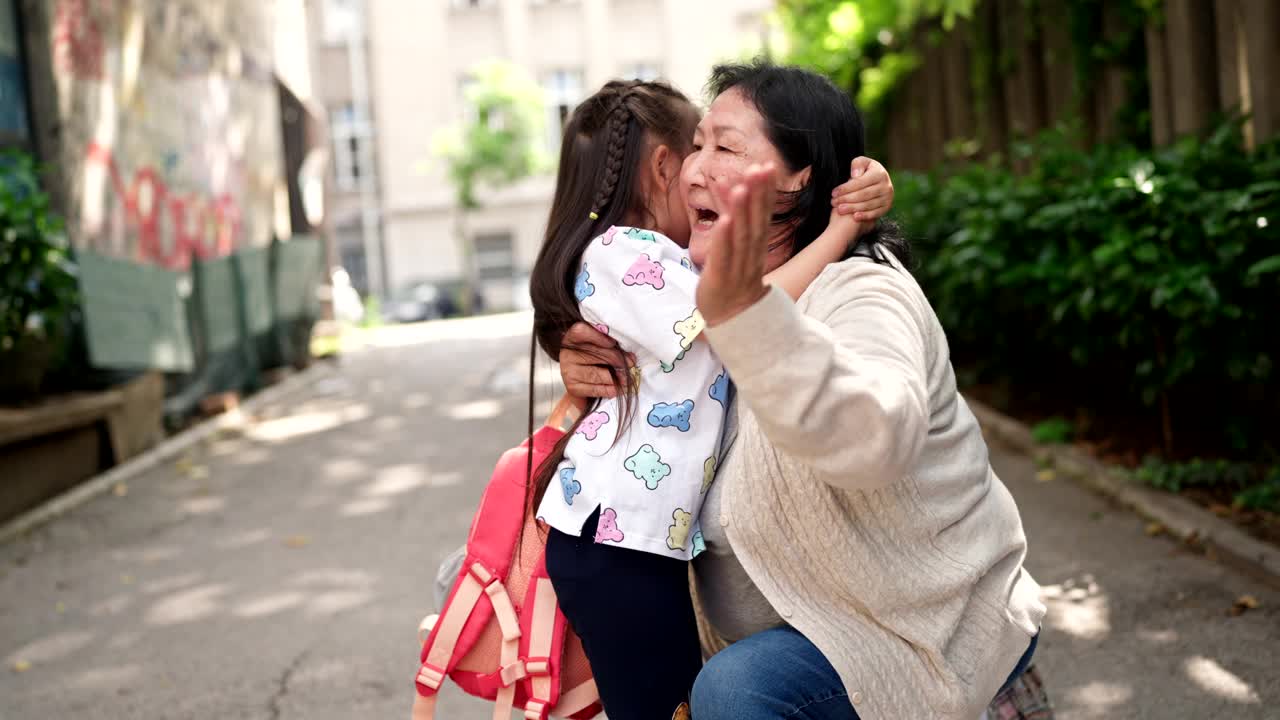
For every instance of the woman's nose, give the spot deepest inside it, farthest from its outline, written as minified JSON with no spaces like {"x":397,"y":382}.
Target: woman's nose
{"x":692,"y":171}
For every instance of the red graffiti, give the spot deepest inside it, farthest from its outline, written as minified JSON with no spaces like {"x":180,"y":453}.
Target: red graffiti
{"x":77,"y":40}
{"x":203,"y":227}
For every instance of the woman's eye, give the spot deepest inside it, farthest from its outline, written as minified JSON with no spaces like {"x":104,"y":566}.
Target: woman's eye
{"x":722,"y":148}
{"x":697,"y":147}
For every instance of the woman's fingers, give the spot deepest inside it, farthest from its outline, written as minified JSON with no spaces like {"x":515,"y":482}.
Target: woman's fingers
{"x":581,"y":334}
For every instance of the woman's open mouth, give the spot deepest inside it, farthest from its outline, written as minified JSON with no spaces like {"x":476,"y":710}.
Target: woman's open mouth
{"x":705,"y":218}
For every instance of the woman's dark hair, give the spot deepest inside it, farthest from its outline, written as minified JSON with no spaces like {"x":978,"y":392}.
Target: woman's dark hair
{"x":606,"y":143}
{"x":815,"y":125}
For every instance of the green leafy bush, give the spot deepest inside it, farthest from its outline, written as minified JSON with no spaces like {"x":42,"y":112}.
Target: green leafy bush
{"x":1052,"y":431}
{"x":37,"y":284}
{"x":1141,"y":278}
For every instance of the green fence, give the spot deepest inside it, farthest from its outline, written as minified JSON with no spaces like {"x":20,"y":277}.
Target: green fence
{"x":213,"y":329}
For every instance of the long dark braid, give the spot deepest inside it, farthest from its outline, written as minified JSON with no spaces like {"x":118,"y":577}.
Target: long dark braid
{"x":619,"y":124}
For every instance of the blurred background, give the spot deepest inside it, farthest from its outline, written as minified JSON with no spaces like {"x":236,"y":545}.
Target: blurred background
{"x":202,"y":199}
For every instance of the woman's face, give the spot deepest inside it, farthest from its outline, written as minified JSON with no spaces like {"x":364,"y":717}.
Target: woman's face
{"x":729,"y":139}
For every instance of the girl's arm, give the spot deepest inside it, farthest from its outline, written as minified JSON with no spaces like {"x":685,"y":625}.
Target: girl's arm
{"x":856,"y":205}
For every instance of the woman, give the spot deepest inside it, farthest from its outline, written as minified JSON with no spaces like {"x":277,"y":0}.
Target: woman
{"x":863,"y":559}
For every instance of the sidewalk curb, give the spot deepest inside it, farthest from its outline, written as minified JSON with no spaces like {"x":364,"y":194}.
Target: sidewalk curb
{"x":170,"y":447}
{"x":1183,"y":519}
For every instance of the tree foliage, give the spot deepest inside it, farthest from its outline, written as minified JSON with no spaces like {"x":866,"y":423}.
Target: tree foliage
{"x":502,"y":138}
{"x":859,"y":43}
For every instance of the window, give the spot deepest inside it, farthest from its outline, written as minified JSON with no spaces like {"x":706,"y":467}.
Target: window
{"x":13,"y":87}
{"x":341,"y":21}
{"x":495,"y":256}
{"x":563,"y":89}
{"x":641,"y":71}
{"x":351,"y":137}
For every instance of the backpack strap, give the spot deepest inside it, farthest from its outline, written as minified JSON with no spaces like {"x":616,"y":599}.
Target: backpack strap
{"x":542,"y":636}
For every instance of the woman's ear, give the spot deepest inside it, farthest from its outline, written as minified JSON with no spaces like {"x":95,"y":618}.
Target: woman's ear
{"x":797,"y":181}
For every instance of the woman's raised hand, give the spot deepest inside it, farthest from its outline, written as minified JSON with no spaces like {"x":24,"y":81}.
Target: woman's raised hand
{"x":867,"y":195}
{"x":585,"y":357}
{"x":732,"y":279}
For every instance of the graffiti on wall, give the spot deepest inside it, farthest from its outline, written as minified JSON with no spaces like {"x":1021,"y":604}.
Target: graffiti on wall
{"x":171,"y":144}
{"x":171,"y":227}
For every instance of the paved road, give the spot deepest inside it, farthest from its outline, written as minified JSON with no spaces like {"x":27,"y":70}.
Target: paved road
{"x":280,"y":572}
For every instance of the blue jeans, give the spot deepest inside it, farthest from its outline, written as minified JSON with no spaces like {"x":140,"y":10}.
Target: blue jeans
{"x":780,"y":674}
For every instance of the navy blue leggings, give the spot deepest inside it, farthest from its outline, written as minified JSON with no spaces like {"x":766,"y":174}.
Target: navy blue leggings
{"x":634,"y":615}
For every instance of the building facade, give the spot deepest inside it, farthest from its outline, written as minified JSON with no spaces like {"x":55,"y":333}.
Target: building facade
{"x":419,"y":58}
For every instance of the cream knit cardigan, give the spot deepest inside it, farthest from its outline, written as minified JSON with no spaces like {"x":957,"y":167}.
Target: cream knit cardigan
{"x":860,"y":498}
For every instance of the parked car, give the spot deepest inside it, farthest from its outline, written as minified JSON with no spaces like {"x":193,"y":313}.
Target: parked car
{"x":423,"y":300}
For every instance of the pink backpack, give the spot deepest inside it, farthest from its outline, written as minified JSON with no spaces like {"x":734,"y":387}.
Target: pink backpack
{"x":501,"y":635}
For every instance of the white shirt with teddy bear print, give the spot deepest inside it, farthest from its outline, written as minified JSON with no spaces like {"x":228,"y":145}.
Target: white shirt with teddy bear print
{"x":637,"y":286}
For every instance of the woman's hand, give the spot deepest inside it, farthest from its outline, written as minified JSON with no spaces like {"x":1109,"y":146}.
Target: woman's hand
{"x":585,"y":357}
{"x":733,"y":277}
{"x":869,"y":193}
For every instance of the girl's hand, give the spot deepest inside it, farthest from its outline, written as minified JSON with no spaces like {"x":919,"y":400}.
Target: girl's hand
{"x":585,"y":357}
{"x":733,"y":278}
{"x":869,"y":193}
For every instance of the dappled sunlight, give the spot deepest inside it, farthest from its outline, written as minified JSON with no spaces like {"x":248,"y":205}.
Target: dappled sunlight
{"x":187,"y":606}
{"x":268,"y":605}
{"x":243,"y":539}
{"x":1158,"y":637}
{"x":1100,"y":699}
{"x":341,"y":471}
{"x":1211,"y":677}
{"x":147,"y":555}
{"x":306,"y":423}
{"x":364,"y":506}
{"x":1078,"y":608}
{"x":123,"y":641}
{"x":107,"y":678}
{"x":332,"y":603}
{"x":396,"y":479}
{"x":476,"y":410}
{"x":50,"y":648}
{"x":492,"y":327}
{"x":250,"y":455}
{"x":388,"y":423}
{"x":203,"y":505}
{"x":335,"y":576}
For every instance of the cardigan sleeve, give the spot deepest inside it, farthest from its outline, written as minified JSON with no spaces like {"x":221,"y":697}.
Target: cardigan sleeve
{"x":847,"y":395}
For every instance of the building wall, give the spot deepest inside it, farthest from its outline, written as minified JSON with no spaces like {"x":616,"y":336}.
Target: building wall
{"x":419,"y":54}
{"x":162,"y":117}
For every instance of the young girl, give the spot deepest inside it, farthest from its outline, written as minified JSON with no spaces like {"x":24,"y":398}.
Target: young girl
{"x":621,"y":493}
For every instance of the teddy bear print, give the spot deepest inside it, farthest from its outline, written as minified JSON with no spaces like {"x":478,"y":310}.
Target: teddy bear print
{"x":591,"y":424}
{"x":647,"y":465}
{"x":678,"y":532}
{"x":644,"y":271}
{"x":689,"y":328}
{"x":582,"y":287}
{"x":676,"y":415}
{"x":686,"y":263}
{"x":719,"y":390}
{"x":636,"y":375}
{"x":708,"y":472}
{"x":642,"y":235}
{"x":604,"y":329}
{"x":607,"y":238}
{"x":607,"y":529}
{"x":699,"y":544}
{"x":570,"y":486}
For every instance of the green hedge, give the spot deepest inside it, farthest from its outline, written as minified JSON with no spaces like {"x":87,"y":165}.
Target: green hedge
{"x":1116,"y":277}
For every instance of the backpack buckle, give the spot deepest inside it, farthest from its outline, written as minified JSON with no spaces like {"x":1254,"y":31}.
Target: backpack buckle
{"x":431,"y":676}
{"x":536,"y":710}
{"x":481,"y":575}
{"x":513,"y":673}
{"x":538,"y":666}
